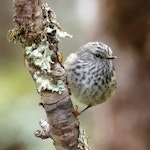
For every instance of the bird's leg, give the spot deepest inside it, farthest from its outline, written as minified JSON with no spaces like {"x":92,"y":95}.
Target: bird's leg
{"x":85,"y":109}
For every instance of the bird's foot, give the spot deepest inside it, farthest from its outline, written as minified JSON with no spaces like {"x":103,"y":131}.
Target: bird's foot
{"x":75,"y":110}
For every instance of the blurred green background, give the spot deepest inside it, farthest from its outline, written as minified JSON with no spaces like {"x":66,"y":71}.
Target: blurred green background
{"x":122,"y":123}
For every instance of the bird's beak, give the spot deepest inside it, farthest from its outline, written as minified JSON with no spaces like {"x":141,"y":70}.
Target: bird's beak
{"x":111,"y":57}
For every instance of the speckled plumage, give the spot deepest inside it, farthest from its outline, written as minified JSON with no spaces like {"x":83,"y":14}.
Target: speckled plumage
{"x":90,"y":73}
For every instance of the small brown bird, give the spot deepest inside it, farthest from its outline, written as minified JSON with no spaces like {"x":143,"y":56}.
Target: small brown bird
{"x":90,"y":74}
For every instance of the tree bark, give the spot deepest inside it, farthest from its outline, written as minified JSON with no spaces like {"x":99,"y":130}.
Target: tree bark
{"x":37,"y":29}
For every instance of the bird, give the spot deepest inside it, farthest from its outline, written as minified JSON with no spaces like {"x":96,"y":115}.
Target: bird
{"x":90,"y":73}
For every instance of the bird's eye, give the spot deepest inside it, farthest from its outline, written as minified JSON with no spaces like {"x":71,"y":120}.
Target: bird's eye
{"x":98,"y":55}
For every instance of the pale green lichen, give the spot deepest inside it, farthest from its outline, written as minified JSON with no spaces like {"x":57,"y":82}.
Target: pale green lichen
{"x":41,"y":56}
{"x":62,"y":34}
{"x":52,"y":20}
{"x":82,"y":140}
{"x":49,"y":30}
{"x":44,"y":82}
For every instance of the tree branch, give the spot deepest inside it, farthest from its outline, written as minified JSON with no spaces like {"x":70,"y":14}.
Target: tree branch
{"x":38,"y":31}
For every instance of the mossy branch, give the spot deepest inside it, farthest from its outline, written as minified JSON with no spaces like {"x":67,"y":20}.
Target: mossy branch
{"x":38,"y":31}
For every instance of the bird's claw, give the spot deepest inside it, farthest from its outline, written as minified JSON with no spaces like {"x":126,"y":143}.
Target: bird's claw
{"x":75,"y":110}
